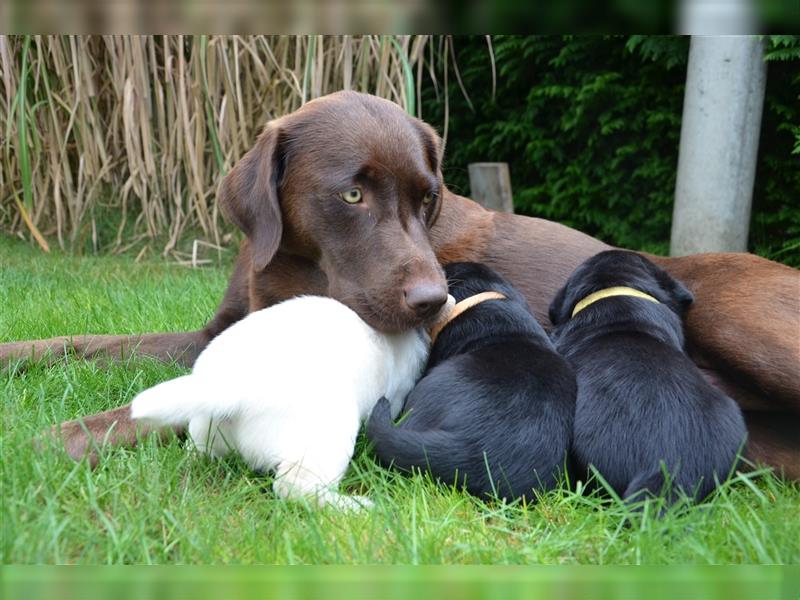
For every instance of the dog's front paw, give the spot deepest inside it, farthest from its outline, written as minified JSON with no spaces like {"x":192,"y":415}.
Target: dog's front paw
{"x":75,"y":439}
{"x":363,"y":502}
{"x":351,"y":503}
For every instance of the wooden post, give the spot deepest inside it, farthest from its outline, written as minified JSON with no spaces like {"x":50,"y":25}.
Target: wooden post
{"x":490,"y":186}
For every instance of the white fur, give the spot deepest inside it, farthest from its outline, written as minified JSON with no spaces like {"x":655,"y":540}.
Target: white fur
{"x":288,"y":388}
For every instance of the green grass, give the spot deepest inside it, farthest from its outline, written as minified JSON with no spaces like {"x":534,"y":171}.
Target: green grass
{"x":162,"y":503}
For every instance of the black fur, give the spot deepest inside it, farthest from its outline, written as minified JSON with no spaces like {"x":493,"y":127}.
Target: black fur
{"x":641,"y":400}
{"x":494,"y":409}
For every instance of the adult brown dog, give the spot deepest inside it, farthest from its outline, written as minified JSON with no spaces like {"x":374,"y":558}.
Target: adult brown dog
{"x":344,"y":197}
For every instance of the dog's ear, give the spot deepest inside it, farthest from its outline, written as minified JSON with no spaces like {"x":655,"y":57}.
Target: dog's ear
{"x":249,"y":196}
{"x":675,"y":290}
{"x":432,"y":146}
{"x":680,"y":293}
{"x":559,"y":311}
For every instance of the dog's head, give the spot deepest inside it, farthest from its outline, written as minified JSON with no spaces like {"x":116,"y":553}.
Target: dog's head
{"x":352,"y":183}
{"x":619,"y":268}
{"x":465,"y":279}
{"x":496,"y":318}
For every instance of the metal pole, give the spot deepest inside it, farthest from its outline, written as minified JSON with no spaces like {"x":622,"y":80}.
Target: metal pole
{"x":722,"y":110}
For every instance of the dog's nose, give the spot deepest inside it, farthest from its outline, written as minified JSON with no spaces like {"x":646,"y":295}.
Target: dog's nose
{"x":425,"y":299}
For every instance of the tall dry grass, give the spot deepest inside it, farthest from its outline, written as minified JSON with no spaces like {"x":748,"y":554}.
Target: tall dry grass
{"x":117,"y":142}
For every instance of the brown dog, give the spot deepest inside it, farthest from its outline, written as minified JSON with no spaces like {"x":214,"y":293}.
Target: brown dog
{"x":344,"y":197}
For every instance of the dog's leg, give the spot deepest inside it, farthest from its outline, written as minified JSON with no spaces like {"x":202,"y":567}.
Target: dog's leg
{"x":180,"y":347}
{"x":210,"y":437}
{"x":87,"y":436}
{"x":83,"y":437}
{"x":299,"y":480}
{"x":774,"y":440}
{"x":773,"y":435}
{"x":317,"y":469}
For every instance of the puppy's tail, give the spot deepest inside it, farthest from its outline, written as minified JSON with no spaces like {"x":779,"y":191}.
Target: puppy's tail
{"x":173,"y":403}
{"x":406,"y":448}
{"x":651,"y":484}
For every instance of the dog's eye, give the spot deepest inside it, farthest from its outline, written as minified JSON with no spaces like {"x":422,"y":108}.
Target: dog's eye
{"x":429,"y":198}
{"x":351,"y":196}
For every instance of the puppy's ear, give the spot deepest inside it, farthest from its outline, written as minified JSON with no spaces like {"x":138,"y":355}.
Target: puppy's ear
{"x":249,"y":196}
{"x":432,"y":146}
{"x":682,"y":295}
{"x":676,"y":291}
{"x":559,"y":311}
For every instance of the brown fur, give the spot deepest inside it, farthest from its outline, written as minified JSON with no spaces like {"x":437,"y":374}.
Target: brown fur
{"x":742,"y":330}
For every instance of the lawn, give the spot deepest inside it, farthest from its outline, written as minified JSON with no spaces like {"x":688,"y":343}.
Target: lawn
{"x":162,"y":503}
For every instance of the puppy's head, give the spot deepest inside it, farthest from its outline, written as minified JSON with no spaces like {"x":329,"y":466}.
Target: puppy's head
{"x":352,"y":183}
{"x":465,"y":279}
{"x":614,"y":268}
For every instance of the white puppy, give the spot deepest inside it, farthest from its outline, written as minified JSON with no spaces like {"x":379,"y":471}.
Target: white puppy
{"x":288,"y":388}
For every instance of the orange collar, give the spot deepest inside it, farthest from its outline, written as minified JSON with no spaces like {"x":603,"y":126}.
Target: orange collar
{"x":463,"y":306}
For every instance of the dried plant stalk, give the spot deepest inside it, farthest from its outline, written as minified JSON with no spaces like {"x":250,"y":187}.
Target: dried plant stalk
{"x":133,"y":134}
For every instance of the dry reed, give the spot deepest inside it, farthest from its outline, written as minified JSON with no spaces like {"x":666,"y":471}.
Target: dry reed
{"x":132,"y":134}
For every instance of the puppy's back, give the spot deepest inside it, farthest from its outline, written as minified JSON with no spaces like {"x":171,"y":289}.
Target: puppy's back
{"x":306,"y":348}
{"x":294,"y":351}
{"x":644,"y":408}
{"x":498,"y":420}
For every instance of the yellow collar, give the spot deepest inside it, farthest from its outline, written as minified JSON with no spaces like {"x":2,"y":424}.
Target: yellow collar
{"x":608,"y":293}
{"x":462,"y":306}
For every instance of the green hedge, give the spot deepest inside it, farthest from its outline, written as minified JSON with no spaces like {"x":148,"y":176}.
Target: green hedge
{"x":590,"y":128}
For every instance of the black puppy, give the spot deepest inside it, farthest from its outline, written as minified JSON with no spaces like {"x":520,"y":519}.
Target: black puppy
{"x":641,"y":400}
{"x":494,"y":409}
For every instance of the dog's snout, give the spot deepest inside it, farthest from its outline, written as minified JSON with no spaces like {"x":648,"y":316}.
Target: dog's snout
{"x":425,"y":299}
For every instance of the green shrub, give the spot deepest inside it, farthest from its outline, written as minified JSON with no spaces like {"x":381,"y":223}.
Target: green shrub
{"x":590,"y":127}
{"x":775,"y":226}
